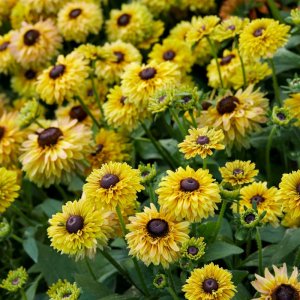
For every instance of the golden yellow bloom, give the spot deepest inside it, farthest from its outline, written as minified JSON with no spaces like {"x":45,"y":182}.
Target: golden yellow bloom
{"x":7,"y":61}
{"x":277,"y":287}
{"x":201,"y":27}
{"x":238,"y":115}
{"x":289,"y":221}
{"x":141,"y":81}
{"x":11,"y":138}
{"x":52,"y":155}
{"x":238,"y":172}
{"x":228,"y":65}
{"x":229,"y":28}
{"x":156,"y":238}
{"x":79,"y":229}
{"x":268,"y":200}
{"x":9,"y":188}
{"x":188,"y":194}
{"x":76,"y":20}
{"x":44,"y":6}
{"x":121,"y":113}
{"x":159,"y":6}
{"x":290,"y":193}
{"x":199,"y":6}
{"x":262,"y":38}
{"x":115,"y":183}
{"x":292,"y":104}
{"x":174,"y":51}
{"x":119,"y":56}
{"x":64,"y":80}
{"x":133,"y":24}
{"x":35,"y":44}
{"x":110,"y":146}
{"x":23,"y":81}
{"x":201,"y":141}
{"x":209,"y":283}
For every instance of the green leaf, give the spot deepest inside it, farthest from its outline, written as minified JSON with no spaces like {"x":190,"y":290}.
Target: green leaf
{"x":30,"y":292}
{"x":271,"y":234}
{"x":238,"y":276}
{"x":242,"y":294}
{"x":31,"y":248}
{"x":286,"y":60}
{"x":50,"y":207}
{"x":220,"y":249}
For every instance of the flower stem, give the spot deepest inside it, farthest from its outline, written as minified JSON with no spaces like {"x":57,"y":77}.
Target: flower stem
{"x":259,"y":247}
{"x":214,"y":53}
{"x":274,"y":10}
{"x":268,"y":149}
{"x":151,"y":193}
{"x":38,"y":123}
{"x":121,"y":220}
{"x":172,"y":293}
{"x":87,"y":110}
{"x":243,"y":69}
{"x":275,"y":83}
{"x":90,"y":268}
{"x":220,"y":218}
{"x":62,"y":192}
{"x":23,"y":294}
{"x":16,"y":238}
{"x":172,"y":285}
{"x":204,"y":163}
{"x":194,"y":122}
{"x":166,"y":155}
{"x":179,"y":124}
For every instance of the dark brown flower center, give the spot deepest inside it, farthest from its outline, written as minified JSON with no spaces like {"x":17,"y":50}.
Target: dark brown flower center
{"x":281,"y":116}
{"x":145,"y":173}
{"x":31,"y":37}
{"x":249,"y":218}
{"x":15,"y":281}
{"x":206,"y":105}
{"x":124,"y":20}
{"x":192,"y":250}
{"x":169,"y":55}
{"x":67,"y":295}
{"x":209,"y":285}
{"x":297,"y":186}
{"x":258,"y":32}
{"x":227,"y":105}
{"x":227,"y":59}
{"x":122,"y":100}
{"x":30,"y":74}
{"x":77,"y":112}
{"x":202,"y":140}
{"x":162,"y":98}
{"x":57,"y":71}
{"x":74,"y":224}
{"x":157,"y":228}
{"x":74,"y":13}
{"x":90,"y":93}
{"x":257,"y":198}
{"x":2,"y":131}
{"x":159,"y":280}
{"x":4,"y":46}
{"x":189,"y":184}
{"x":285,"y":292}
{"x":186,"y":99}
{"x":237,"y":171}
{"x":120,"y":56}
{"x":231,"y":27}
{"x":109,"y":180}
{"x":99,"y":148}
{"x":147,"y":73}
{"x":49,"y":136}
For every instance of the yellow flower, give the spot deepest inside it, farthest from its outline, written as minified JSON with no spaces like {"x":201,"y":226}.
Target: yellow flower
{"x":7,"y":61}
{"x":188,"y":194}
{"x":196,"y":5}
{"x":238,"y":115}
{"x":110,"y":146}
{"x":238,"y":172}
{"x":277,"y":287}
{"x":79,"y":229}
{"x":141,"y":81}
{"x":76,"y":20}
{"x":262,"y":38}
{"x":9,"y":188}
{"x":23,"y":81}
{"x":132,"y":24}
{"x":121,"y":113}
{"x":63,"y":81}
{"x":44,"y":6}
{"x":159,"y":6}
{"x":292,"y":104}
{"x":114,"y":184}
{"x":290,"y":193}
{"x":201,"y":27}
{"x":291,"y":222}
{"x":174,"y":51}
{"x":229,"y":28}
{"x":11,"y":138}
{"x":119,"y":56}
{"x":52,"y":155}
{"x":267,"y":200}
{"x":209,"y":283}
{"x":156,"y":238}
{"x":201,"y":141}
{"x":35,"y":44}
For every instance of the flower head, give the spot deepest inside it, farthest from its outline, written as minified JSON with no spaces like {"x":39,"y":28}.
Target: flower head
{"x":7,"y":61}
{"x":4,"y":229}
{"x":188,"y":194}
{"x":292,"y":104}
{"x":160,"y":281}
{"x":79,"y":229}
{"x":250,"y":218}
{"x":63,"y":289}
{"x":15,"y":280}
{"x":209,"y":283}
{"x":193,"y":249}
{"x":155,"y":238}
{"x":28,"y":113}
{"x":201,"y":141}
{"x":148,"y":172}
{"x":281,"y":116}
{"x":161,"y":100}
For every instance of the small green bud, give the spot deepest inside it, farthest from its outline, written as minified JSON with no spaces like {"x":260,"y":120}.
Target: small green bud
{"x":15,"y":280}
{"x":250,"y":218}
{"x":160,"y":281}
{"x":281,"y":116}
{"x":4,"y":229}
{"x":148,"y":172}
{"x":228,"y":191}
